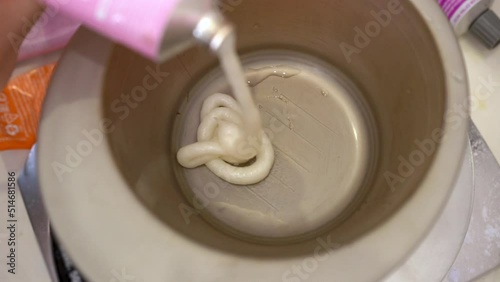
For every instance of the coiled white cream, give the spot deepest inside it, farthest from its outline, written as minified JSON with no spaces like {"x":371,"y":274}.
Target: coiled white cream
{"x":223,"y":144}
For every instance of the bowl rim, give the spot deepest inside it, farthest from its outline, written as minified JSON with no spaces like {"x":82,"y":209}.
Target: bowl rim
{"x":103,"y":247}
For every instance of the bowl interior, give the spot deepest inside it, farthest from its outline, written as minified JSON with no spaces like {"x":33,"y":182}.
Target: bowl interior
{"x":394,"y":74}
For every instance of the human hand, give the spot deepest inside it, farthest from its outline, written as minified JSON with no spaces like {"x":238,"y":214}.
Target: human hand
{"x":18,"y":16}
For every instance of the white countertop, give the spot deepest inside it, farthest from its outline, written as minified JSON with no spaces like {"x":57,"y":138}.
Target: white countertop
{"x":484,"y":77}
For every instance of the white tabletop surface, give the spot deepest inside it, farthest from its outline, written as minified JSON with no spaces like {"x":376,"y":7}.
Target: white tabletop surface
{"x":484,"y":65}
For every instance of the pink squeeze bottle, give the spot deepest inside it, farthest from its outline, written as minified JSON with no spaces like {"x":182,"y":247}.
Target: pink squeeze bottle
{"x":158,"y":29}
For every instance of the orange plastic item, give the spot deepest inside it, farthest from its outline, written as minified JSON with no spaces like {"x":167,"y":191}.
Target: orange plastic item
{"x":20,"y":108}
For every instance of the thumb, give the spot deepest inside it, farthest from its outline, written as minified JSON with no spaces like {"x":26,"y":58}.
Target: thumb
{"x":18,"y":17}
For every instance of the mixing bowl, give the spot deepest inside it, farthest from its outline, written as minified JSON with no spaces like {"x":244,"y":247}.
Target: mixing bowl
{"x":368,"y":136}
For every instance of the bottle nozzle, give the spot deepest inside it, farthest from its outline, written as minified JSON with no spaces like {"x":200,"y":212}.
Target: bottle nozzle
{"x":213,"y":30}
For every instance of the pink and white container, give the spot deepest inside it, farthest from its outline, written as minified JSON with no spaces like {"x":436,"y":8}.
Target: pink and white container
{"x":156,"y":29}
{"x":473,"y":15}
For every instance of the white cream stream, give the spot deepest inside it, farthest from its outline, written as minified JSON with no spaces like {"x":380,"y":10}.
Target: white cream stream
{"x":223,"y":144}
{"x":230,"y":133}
